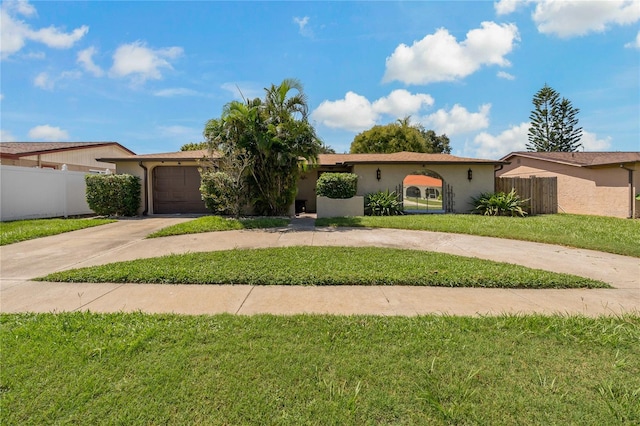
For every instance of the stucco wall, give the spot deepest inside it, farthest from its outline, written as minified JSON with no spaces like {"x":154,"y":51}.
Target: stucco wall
{"x":28,"y":193}
{"x":392,"y":176}
{"x":455,"y":175}
{"x":329,"y":207}
{"x":594,"y":191}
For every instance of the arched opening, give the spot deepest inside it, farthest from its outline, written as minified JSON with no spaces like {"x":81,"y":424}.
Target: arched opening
{"x":413,"y":191}
{"x":423,"y":192}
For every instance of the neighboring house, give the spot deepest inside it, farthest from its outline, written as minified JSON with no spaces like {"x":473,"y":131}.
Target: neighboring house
{"x":460,"y":178}
{"x":73,"y":156}
{"x":594,"y":183}
{"x":422,"y":186}
{"x":47,"y":179}
{"x":170,"y":181}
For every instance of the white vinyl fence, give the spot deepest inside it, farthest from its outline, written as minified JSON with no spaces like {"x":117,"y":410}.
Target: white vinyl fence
{"x":30,"y":193}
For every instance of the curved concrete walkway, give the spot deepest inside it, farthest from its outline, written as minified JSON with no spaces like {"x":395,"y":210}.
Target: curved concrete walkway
{"x":124,"y":240}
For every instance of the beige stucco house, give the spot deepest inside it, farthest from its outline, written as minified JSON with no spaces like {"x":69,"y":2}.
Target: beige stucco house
{"x":462,"y":178}
{"x":594,"y":183}
{"x":171,"y":181}
{"x":72,"y":156}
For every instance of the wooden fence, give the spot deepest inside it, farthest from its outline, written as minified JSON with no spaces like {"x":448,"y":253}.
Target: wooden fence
{"x":542,"y":192}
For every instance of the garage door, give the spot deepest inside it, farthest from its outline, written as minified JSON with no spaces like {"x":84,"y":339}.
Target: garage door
{"x":176,"y":189}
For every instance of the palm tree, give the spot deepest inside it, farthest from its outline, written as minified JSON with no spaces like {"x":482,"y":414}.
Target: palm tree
{"x":277,"y":137}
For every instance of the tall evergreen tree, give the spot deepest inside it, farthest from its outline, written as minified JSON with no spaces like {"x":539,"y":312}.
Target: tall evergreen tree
{"x":553,"y":123}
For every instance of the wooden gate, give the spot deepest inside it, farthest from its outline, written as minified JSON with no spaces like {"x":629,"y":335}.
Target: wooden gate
{"x":542,"y":192}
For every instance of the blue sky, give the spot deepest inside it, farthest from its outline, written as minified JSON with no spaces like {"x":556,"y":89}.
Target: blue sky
{"x":150,"y":74}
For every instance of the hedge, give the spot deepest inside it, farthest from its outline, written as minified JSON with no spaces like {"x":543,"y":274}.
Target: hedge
{"x":113,"y":195}
{"x":337,"y":185}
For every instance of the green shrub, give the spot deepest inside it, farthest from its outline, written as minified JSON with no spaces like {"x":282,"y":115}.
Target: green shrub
{"x":337,"y":185}
{"x":499,"y":204}
{"x":217,"y":189}
{"x":383,"y":203}
{"x":113,"y":195}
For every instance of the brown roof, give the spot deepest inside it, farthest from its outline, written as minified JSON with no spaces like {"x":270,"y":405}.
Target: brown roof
{"x":23,"y":149}
{"x":580,"y":159}
{"x":164,"y":156}
{"x":399,"y":158}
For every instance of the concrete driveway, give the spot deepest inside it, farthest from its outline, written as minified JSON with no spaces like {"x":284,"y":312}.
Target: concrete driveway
{"x":125,"y":240}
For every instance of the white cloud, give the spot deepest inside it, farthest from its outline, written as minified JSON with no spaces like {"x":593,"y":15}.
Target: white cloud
{"x":590,"y":142}
{"x":457,"y":120}
{"x":43,"y":81}
{"x":302,"y":26}
{"x":6,"y":136}
{"x":570,"y":18}
{"x":494,"y":147}
{"x":439,"y":57}
{"x":504,"y":7}
{"x":176,"y":91}
{"x":505,"y":75}
{"x":141,"y":62}
{"x":353,"y":113}
{"x":635,"y":44}
{"x":401,"y":103}
{"x":85,"y":58}
{"x":15,"y":32}
{"x":53,"y":37}
{"x":48,"y":133}
{"x":357,"y":113}
{"x":1,"y":96}
{"x":46,"y":82}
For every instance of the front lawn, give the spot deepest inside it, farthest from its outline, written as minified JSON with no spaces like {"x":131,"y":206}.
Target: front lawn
{"x":302,"y":265}
{"x":607,"y":234}
{"x":84,"y":368}
{"x":218,"y":223}
{"x":22,"y":230}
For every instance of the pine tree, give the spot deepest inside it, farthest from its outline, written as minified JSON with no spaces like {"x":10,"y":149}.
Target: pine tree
{"x":553,"y":123}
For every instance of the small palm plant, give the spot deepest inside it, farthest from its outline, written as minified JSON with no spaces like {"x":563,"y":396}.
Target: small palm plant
{"x":499,"y":204}
{"x":383,"y":203}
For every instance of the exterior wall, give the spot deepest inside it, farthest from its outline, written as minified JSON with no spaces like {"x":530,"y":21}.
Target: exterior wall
{"x":28,"y":193}
{"x":76,"y":160}
{"x":307,"y":185}
{"x":455,"y":175}
{"x":594,"y":191}
{"x":329,"y":207}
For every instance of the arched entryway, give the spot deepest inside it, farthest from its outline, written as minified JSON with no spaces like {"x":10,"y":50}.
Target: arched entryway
{"x":423,"y":192}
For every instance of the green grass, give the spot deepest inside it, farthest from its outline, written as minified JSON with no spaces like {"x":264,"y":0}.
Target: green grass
{"x":412,"y":203}
{"x":22,"y":230}
{"x":607,"y":234}
{"x":84,"y":368}
{"x":324,"y":266}
{"x":218,"y":223}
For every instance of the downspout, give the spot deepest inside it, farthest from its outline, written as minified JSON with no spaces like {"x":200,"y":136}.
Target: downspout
{"x":631,"y":197}
{"x":146,"y":189}
{"x":494,"y":175}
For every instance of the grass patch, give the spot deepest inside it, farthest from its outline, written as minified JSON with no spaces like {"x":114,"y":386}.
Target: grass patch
{"x":607,"y":234}
{"x":83,"y":368}
{"x":22,"y":230}
{"x":218,"y":223}
{"x":325,"y":266}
